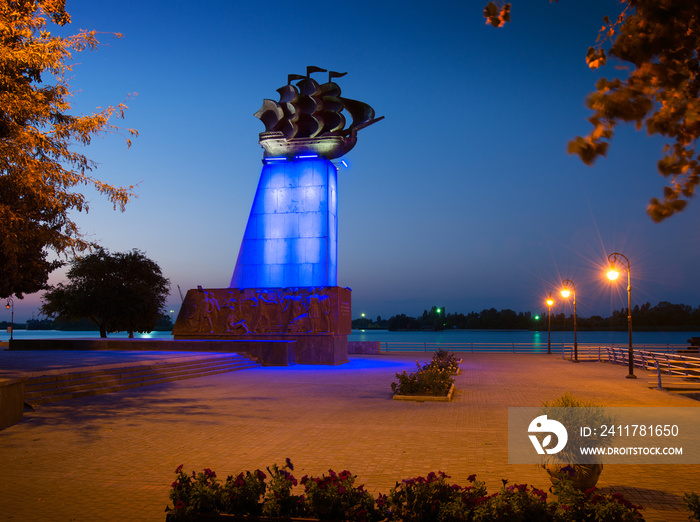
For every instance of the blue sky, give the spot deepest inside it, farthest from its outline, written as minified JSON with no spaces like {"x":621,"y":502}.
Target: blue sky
{"x":463,"y":196}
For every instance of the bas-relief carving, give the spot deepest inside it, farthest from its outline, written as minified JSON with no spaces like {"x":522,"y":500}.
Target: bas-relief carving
{"x":250,"y":311}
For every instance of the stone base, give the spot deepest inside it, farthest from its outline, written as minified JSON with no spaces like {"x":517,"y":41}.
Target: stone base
{"x":315,"y":320}
{"x":282,"y":350}
{"x":364,"y":347}
{"x":322,"y":349}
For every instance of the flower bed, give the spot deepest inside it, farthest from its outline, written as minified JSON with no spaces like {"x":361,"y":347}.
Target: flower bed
{"x":430,"y":380}
{"x":271,"y":496}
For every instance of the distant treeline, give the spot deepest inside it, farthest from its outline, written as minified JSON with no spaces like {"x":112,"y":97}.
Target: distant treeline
{"x":663,"y":316}
{"x":85,"y":325}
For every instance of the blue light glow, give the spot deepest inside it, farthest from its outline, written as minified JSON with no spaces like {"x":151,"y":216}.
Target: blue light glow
{"x":273,"y":159}
{"x":291,"y":239}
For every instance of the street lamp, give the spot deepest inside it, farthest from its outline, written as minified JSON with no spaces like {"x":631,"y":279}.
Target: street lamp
{"x":570,"y":289}
{"x":10,"y":304}
{"x":613,"y":274}
{"x":549,"y":302}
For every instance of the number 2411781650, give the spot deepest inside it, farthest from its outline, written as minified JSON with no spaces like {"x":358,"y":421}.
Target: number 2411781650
{"x":635,"y":430}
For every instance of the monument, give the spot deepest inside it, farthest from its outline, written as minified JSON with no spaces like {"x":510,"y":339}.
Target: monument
{"x":284,"y":287}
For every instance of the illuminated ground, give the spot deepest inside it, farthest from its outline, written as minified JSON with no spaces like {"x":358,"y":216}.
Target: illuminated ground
{"x":112,"y":457}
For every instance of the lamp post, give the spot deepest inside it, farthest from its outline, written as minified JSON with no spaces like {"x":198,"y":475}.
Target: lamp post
{"x":10,"y":304}
{"x":549,"y":302}
{"x":570,"y":289}
{"x":613,"y":274}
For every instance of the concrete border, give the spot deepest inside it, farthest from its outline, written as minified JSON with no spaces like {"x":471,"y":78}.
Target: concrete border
{"x":11,"y":402}
{"x":427,"y":398}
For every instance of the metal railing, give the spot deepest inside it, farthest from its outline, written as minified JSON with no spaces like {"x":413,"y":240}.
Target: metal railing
{"x":399,"y":346}
{"x":586,"y":351}
{"x":600,"y":352}
{"x":666,"y":363}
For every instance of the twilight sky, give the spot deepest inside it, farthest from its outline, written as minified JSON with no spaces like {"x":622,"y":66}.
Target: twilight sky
{"x":463,"y":196}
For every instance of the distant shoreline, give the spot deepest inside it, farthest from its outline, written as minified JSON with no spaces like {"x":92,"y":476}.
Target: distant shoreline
{"x":635,"y":329}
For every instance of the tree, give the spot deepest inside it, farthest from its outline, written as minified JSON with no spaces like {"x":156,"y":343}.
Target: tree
{"x":659,"y":41}
{"x":118,"y":292}
{"x":39,"y":171}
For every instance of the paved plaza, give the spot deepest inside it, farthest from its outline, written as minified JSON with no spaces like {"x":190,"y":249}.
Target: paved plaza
{"x":112,"y":457}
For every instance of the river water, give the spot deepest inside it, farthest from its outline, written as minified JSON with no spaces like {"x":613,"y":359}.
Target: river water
{"x":444,"y":337}
{"x":521,"y":337}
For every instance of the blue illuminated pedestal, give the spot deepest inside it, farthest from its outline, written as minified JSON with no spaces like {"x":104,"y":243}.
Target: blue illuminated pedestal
{"x":291,"y":239}
{"x":284,"y":286}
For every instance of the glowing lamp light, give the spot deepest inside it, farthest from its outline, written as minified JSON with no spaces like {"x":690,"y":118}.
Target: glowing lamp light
{"x":550,"y":302}
{"x":613,"y":274}
{"x":565,"y":293}
{"x":537,"y":317}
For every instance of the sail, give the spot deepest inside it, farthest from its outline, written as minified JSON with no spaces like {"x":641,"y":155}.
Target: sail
{"x":270,"y":114}
{"x":359,"y":111}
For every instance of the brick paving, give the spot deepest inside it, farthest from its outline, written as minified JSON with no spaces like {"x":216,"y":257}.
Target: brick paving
{"x":112,"y":457}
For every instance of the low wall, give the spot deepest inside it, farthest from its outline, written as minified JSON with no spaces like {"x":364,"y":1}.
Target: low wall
{"x":11,"y":402}
{"x":364,"y":347}
{"x":267,"y":352}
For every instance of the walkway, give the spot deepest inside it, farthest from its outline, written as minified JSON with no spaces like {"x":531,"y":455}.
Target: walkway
{"x":112,"y":457}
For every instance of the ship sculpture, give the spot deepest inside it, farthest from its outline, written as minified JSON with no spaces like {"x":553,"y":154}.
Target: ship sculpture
{"x":311,"y":118}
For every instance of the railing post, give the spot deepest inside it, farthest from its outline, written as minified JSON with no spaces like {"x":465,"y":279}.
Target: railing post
{"x":658,"y":375}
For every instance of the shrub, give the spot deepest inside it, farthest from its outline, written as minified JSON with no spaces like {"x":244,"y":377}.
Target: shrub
{"x":195,"y":494}
{"x":427,"y":380}
{"x":516,"y":502}
{"x":279,"y":500}
{"x":692,"y":500}
{"x":431,"y":499}
{"x":421,"y":499}
{"x":445,"y":360}
{"x":593,"y":504}
{"x":335,"y":497}
{"x":243,"y":494}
